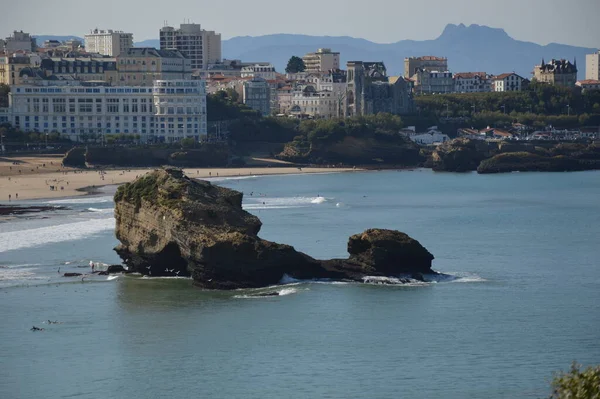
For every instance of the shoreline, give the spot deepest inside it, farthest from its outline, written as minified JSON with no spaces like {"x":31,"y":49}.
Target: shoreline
{"x":80,"y":182}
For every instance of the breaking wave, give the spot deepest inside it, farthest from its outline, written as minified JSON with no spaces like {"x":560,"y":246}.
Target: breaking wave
{"x":104,"y":210}
{"x":50,"y":234}
{"x":281,"y":202}
{"x":85,"y":200}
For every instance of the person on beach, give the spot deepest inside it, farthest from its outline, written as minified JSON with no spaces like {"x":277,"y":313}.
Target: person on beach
{"x":9,"y":197}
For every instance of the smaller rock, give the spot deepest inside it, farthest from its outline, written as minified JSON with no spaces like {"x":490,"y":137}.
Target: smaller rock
{"x":113,"y":269}
{"x":72,"y":275}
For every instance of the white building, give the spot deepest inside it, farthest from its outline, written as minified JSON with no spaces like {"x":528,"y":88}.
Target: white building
{"x":265,"y":71}
{"x":201,"y":46}
{"x":322,"y":61}
{"x":317,"y":104}
{"x":592,"y":66}
{"x":472,"y":82}
{"x":508,"y":82}
{"x":167,"y":112}
{"x":257,"y":95}
{"x":432,"y":136}
{"x":108,"y":42}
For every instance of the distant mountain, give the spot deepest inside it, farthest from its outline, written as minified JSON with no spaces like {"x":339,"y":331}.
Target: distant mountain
{"x":471,"y":48}
{"x":468,"y":48}
{"x":148,"y":43}
{"x":42,"y":38}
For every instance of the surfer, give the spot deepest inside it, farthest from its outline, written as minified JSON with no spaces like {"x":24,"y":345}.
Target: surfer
{"x":34,"y":328}
{"x":92,"y":266}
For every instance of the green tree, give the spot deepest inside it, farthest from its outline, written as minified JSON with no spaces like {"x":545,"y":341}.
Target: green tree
{"x":577,"y":383}
{"x":295,"y":65}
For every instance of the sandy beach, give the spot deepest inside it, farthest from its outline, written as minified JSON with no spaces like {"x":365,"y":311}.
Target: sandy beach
{"x":34,"y":177}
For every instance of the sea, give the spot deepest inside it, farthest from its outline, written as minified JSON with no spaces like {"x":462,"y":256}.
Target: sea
{"x":520,"y":299}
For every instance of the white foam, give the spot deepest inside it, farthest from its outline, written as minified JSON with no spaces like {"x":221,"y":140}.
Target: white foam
{"x":105,"y":210}
{"x":380,"y":280}
{"x":84,"y":200}
{"x":110,"y":278}
{"x":288,"y":291}
{"x":257,"y":202}
{"x":18,"y":274}
{"x":44,"y":235}
{"x":456,"y":277}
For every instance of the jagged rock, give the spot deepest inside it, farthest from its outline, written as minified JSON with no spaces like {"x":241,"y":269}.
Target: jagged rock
{"x":459,"y":155}
{"x":169,"y":225}
{"x":113,"y":269}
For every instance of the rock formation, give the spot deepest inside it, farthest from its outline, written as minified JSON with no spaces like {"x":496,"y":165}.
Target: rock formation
{"x":170,"y":225}
{"x":459,"y":155}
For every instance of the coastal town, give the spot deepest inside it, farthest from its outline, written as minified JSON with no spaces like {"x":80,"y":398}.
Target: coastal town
{"x":105,"y":87}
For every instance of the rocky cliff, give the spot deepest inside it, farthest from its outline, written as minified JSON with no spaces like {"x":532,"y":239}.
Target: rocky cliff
{"x":171,"y":225}
{"x":352,"y":150}
{"x":459,"y":155}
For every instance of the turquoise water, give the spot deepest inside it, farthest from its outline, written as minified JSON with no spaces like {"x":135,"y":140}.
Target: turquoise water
{"x":524,"y":300}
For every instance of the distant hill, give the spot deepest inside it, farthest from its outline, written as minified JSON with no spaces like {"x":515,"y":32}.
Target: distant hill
{"x":468,"y":48}
{"x":42,"y":38}
{"x":471,"y":48}
{"x":148,"y":43}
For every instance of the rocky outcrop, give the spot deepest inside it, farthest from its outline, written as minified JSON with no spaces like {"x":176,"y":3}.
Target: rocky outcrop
{"x":75,"y":158}
{"x":529,"y":162}
{"x":352,"y":150}
{"x":460,"y":155}
{"x":170,"y":225}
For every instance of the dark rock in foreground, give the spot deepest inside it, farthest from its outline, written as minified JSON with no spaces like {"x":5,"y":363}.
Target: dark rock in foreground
{"x":170,"y":225}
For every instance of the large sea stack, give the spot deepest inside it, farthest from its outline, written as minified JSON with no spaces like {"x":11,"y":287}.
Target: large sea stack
{"x":169,"y":224}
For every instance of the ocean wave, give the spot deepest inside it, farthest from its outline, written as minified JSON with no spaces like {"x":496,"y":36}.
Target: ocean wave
{"x":103,"y":210}
{"x":228,"y":178}
{"x":84,"y":200}
{"x":252,"y":202}
{"x":455,"y":277}
{"x":50,"y":234}
{"x":19,"y":274}
{"x":270,"y":293}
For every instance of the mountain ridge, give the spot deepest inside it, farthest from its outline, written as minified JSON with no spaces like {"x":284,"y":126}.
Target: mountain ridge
{"x":468,"y":48}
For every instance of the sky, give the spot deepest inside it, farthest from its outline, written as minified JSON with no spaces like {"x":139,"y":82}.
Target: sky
{"x":574,"y":22}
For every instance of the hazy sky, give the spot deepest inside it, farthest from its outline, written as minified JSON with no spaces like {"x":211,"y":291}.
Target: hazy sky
{"x":575,"y":22}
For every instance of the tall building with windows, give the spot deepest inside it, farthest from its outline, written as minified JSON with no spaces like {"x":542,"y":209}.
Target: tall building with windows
{"x":168,"y":111}
{"x":108,"y":42}
{"x":257,"y":95}
{"x":141,"y":66}
{"x":323,"y":60}
{"x":592,"y":66}
{"x":427,"y":63}
{"x":202,"y":47}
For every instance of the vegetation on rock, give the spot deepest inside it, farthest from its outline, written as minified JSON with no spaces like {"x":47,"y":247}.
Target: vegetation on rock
{"x":578,"y":383}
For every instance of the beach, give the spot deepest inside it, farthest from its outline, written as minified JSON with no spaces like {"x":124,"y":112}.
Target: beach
{"x":44,"y":177}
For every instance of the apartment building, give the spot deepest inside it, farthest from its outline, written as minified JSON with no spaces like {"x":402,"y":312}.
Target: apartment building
{"x":307,"y":101}
{"x":322,"y":60}
{"x":429,"y":82}
{"x":509,"y":82}
{"x":168,"y":111}
{"x":141,"y":66}
{"x":19,"y":41}
{"x":264,"y":70}
{"x":427,"y":63}
{"x":472,"y":82}
{"x":592,"y":66}
{"x":108,"y":42}
{"x":202,"y":47}
{"x":11,"y":67}
{"x":257,"y":95}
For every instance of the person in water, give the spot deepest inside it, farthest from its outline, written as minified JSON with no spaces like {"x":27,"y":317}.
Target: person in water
{"x":34,"y":328}
{"x":92,"y":266}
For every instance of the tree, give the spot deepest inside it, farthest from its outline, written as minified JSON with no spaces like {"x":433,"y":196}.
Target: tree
{"x":577,"y":383}
{"x":295,"y":65}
